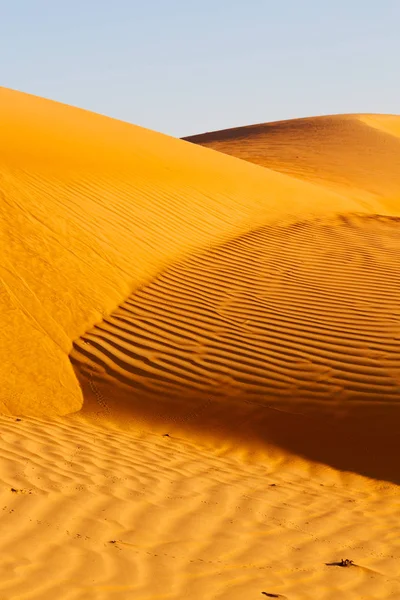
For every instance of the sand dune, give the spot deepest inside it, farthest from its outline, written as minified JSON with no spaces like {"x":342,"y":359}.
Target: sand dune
{"x":92,"y":209}
{"x":357,"y":155}
{"x":221,"y":327}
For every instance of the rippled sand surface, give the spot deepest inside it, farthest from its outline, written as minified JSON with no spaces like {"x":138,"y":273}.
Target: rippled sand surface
{"x":200,"y":358}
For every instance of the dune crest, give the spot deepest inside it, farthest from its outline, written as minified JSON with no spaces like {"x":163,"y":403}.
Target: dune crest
{"x":388,"y":123}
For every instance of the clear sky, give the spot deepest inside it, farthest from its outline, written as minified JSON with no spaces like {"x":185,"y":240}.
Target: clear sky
{"x":189,"y":66}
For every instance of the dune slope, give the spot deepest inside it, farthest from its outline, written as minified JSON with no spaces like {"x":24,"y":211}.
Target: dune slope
{"x":91,"y":209}
{"x":355,"y":154}
{"x":286,"y":334}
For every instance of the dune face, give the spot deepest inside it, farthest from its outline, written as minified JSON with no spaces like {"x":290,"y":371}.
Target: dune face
{"x":285,"y":334}
{"x":251,"y":298}
{"x":357,"y":155}
{"x":201,"y":349}
{"x":92,"y":209}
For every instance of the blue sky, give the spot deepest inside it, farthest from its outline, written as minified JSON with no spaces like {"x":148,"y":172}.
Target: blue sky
{"x":184,"y":67}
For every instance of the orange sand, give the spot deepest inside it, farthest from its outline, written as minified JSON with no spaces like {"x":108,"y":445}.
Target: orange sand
{"x":355,"y":155}
{"x":250,"y":313}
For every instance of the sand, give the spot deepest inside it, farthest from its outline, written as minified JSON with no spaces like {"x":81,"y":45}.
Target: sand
{"x":200,"y":358}
{"x":355,"y":155}
{"x":104,"y":514}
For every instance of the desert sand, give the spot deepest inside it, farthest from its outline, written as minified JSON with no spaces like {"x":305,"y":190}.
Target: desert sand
{"x":200,"y":358}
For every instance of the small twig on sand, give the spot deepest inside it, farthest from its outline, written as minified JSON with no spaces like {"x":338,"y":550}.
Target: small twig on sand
{"x":345,"y":562}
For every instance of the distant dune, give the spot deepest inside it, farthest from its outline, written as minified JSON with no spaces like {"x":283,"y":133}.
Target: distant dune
{"x":220,"y":329}
{"x":357,"y":155}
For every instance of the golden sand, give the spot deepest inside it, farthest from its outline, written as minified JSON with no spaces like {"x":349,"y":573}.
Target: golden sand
{"x":227,"y":335}
{"x":355,"y":155}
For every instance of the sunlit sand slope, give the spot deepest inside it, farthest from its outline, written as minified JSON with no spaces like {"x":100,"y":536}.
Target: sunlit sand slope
{"x":93,"y":208}
{"x":356,"y":154}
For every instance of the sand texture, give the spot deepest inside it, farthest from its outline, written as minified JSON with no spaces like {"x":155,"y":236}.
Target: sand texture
{"x":200,"y":358}
{"x":98,"y":514}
